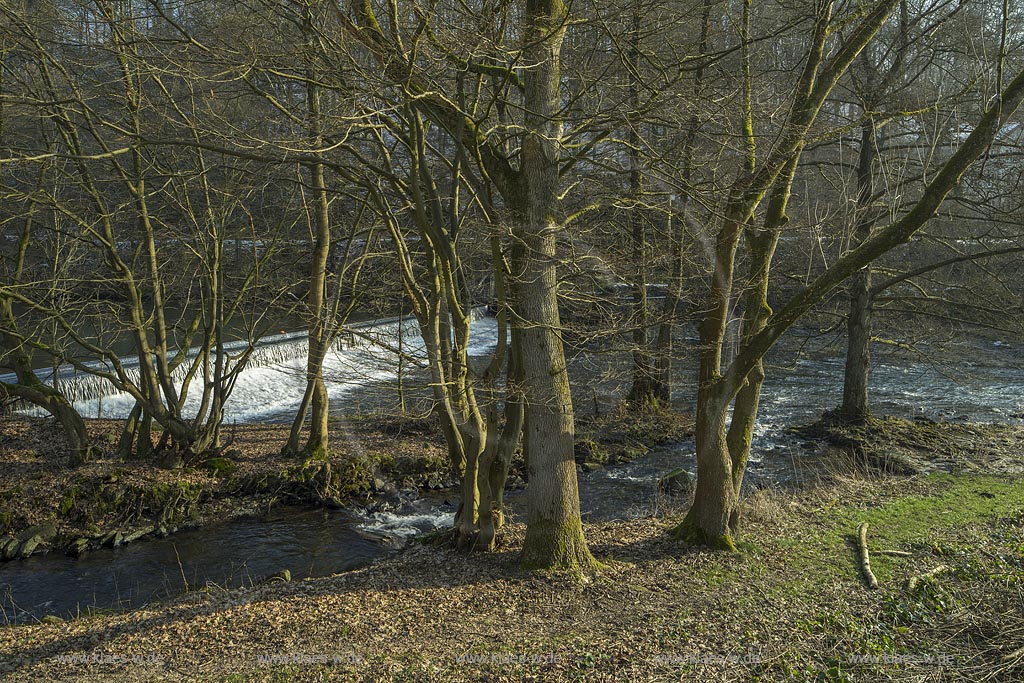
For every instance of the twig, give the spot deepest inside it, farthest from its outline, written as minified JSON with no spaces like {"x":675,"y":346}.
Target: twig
{"x":914,"y":581}
{"x":894,"y":553}
{"x":1019,"y":652}
{"x":865,"y":561}
{"x":181,"y":567}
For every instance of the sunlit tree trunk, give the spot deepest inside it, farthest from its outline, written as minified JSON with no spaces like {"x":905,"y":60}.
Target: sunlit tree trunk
{"x":315,"y":396}
{"x":713,"y":514}
{"x":554,"y":532}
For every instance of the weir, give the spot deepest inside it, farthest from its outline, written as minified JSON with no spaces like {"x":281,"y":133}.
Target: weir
{"x":81,"y":385}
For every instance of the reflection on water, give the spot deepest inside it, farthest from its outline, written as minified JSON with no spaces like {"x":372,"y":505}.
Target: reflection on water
{"x":307,"y":542}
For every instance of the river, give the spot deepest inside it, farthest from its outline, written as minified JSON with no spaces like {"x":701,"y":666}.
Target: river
{"x":988,"y":387}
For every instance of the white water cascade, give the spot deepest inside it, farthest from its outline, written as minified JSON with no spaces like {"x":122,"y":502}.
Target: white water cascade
{"x":273,"y":381}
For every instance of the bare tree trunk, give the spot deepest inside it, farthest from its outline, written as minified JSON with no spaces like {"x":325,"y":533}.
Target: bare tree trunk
{"x":677,"y":232}
{"x":319,"y":329}
{"x":858,"y":322}
{"x":761,"y":246}
{"x":29,"y":387}
{"x":510,"y":433}
{"x":642,"y":391}
{"x":707,"y":522}
{"x":554,"y":532}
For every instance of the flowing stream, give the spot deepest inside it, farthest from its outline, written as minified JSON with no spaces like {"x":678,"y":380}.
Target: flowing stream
{"x":316,"y":542}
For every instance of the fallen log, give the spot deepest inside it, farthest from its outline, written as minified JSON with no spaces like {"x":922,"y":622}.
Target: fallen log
{"x":865,"y":559}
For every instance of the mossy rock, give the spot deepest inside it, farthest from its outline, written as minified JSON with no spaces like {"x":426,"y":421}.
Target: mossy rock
{"x":632,"y":452}
{"x":417,"y":471}
{"x":45,"y":532}
{"x":6,"y":518}
{"x":589,"y":451}
{"x":676,"y":483}
{"x":32,"y":538}
{"x":219,"y":466}
{"x":8,"y":546}
{"x":67,"y":502}
{"x":78,"y":546}
{"x":326,"y":480}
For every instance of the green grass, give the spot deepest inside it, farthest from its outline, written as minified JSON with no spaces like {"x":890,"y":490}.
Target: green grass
{"x":968,"y":522}
{"x":949,"y":507}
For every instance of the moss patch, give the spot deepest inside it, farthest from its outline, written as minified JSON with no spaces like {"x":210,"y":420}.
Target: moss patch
{"x":219,"y":466}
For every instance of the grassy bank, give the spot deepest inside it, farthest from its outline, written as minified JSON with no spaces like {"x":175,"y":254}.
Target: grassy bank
{"x":792,"y":605}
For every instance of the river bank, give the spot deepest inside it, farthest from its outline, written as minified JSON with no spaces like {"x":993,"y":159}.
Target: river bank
{"x":791,"y":605}
{"x":49,"y":504}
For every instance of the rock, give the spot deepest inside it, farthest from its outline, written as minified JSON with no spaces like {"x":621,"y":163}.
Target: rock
{"x":591,"y":467}
{"x":118,"y":540}
{"x":379,"y":484}
{"x":135,"y":535}
{"x":220,"y":467}
{"x":108,"y":538}
{"x":675,"y":483}
{"x":44,"y":532}
{"x":51,"y":619}
{"x":33,"y":537}
{"x":283,"y":576}
{"x":27,"y":547}
{"x":7,"y":547}
{"x":78,"y":546}
{"x":588,"y":450}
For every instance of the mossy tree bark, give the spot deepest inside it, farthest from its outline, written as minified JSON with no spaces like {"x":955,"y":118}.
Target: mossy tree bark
{"x":554,"y":532}
{"x":554,"y":528}
{"x":318,"y":312}
{"x":709,"y":518}
{"x":721,"y":460}
{"x":677,"y":217}
{"x":642,"y":392}
{"x":433,"y":276}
